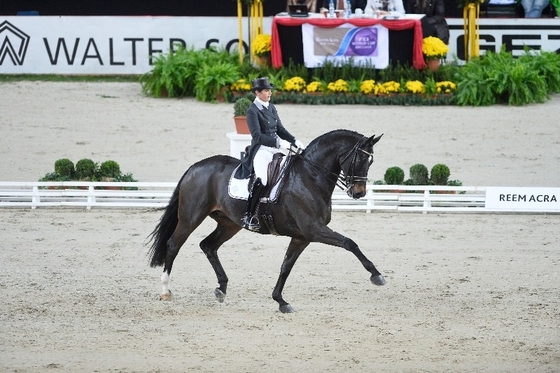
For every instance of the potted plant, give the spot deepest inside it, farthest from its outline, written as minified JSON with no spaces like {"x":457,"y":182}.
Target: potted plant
{"x":434,"y":49}
{"x":261,"y":47}
{"x":240,"y":108}
{"x":394,"y":176}
{"x":419,"y":174}
{"x":109,"y":170}
{"x":439,"y":174}
{"x":85,"y":169}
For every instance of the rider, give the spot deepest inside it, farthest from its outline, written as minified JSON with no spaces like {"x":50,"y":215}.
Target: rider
{"x":268,"y":135}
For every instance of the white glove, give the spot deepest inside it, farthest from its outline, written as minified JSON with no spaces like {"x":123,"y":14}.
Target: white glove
{"x":300,"y":145}
{"x":283,"y":144}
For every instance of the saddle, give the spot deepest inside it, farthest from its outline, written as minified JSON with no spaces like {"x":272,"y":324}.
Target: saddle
{"x":273,"y":176}
{"x":277,"y":169}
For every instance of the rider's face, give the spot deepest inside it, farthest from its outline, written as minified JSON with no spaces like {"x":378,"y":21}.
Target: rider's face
{"x":264,"y":94}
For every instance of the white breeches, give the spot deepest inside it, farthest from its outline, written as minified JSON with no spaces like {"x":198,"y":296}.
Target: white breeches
{"x":262,"y":159}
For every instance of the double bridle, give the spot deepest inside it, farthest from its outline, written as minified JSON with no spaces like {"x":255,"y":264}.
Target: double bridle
{"x":345,"y":180}
{"x":348,"y":179}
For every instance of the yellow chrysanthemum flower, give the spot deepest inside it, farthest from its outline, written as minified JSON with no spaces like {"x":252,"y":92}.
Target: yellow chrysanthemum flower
{"x":262,"y":45}
{"x":241,"y":85}
{"x":295,"y":84}
{"x":339,"y":86}
{"x":415,"y":86}
{"x":314,"y":87}
{"x":367,"y":86}
{"x":446,"y":87}
{"x":434,"y":48}
{"x":389,"y":87}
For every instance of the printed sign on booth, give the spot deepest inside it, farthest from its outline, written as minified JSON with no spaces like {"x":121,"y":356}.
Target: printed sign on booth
{"x":365,"y":45}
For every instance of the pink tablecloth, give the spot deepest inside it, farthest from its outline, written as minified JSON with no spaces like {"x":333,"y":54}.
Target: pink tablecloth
{"x":399,"y":24}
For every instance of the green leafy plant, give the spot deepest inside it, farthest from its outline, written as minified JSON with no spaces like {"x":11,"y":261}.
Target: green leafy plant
{"x":64,"y":168}
{"x":499,"y":77}
{"x":109,"y":169}
{"x":86,"y":169}
{"x":169,"y":75}
{"x":419,"y":174}
{"x":211,"y":78}
{"x":241,"y":106}
{"x":394,"y":176}
{"x":439,"y":174}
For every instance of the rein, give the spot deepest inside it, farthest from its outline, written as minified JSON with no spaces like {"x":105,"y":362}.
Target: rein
{"x":342,"y":181}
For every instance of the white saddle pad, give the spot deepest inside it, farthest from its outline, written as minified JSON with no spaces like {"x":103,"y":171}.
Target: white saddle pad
{"x":237,"y":188}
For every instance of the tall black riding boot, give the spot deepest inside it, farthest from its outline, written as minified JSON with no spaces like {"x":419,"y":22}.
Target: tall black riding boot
{"x":250,"y":221}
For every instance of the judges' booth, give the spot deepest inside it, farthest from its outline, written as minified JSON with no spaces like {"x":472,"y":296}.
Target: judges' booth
{"x":311,"y":40}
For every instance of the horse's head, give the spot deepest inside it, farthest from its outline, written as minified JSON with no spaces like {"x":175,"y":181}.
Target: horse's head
{"x":355,"y":166}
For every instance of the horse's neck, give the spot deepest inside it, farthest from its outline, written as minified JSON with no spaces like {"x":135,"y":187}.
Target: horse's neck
{"x":323,"y":160}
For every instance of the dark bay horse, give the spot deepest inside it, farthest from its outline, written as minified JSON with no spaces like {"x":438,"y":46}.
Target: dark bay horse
{"x":301,"y":212}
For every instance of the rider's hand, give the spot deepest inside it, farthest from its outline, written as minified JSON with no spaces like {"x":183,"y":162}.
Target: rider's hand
{"x":283,"y":144}
{"x":300,"y":145}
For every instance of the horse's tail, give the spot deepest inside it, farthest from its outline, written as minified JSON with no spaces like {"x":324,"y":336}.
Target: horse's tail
{"x":165,"y":228}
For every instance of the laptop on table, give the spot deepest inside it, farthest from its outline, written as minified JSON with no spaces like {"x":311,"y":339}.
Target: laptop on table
{"x":298,"y":11}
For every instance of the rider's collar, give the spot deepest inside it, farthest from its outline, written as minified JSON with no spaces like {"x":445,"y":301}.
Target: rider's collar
{"x":261,"y":103}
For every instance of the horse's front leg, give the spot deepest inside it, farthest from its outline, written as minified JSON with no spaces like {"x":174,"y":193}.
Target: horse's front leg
{"x":295,"y":248}
{"x":328,"y":236}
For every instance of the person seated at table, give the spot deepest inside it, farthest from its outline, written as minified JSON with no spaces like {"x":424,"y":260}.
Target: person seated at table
{"x":392,"y":6}
{"x":433,"y":23}
{"x":534,"y":8}
{"x":339,"y":4}
{"x":311,"y":5}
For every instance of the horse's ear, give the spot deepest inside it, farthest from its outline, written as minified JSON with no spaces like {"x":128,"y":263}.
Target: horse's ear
{"x":374,"y":139}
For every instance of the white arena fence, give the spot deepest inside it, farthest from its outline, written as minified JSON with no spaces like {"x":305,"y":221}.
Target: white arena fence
{"x":75,"y":194}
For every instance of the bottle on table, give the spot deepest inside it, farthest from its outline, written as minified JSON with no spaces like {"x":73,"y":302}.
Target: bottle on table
{"x":331,"y":9}
{"x":347,"y":9}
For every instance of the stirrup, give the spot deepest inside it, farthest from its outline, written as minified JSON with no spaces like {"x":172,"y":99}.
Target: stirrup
{"x":250,"y":223}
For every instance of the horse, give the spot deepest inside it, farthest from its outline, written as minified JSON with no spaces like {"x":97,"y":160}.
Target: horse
{"x":302,"y":211}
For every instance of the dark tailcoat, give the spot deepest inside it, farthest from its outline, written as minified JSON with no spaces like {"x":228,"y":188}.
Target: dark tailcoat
{"x":265,"y":126}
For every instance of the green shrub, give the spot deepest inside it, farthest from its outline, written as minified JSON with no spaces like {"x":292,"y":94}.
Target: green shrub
{"x":241,"y":106}
{"x":85,"y":169}
{"x":394,"y":176}
{"x":64,"y":168}
{"x":419,"y":174}
{"x":439,"y":174}
{"x":109,"y":169}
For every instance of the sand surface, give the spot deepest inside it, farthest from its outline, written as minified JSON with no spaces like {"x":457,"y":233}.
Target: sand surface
{"x":464,"y":293}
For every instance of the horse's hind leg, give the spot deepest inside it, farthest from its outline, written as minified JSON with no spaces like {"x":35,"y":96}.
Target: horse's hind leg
{"x":178,"y":238}
{"x":225,"y":230}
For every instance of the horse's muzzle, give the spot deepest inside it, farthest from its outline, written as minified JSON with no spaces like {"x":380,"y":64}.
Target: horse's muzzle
{"x":357,"y":190}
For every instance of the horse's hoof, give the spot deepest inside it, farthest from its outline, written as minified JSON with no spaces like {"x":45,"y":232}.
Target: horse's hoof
{"x":220,"y":295}
{"x":378,"y":280}
{"x":286,"y":309}
{"x":166,"y":296}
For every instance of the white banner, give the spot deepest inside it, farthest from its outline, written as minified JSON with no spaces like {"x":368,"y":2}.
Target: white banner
{"x":123,"y":45}
{"x":523,"y":199}
{"x":362,"y":44}
{"x":106,"y":45}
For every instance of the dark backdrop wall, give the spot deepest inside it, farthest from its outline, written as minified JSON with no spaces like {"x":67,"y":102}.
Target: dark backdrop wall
{"x":220,"y":8}
{"x":215,"y":8}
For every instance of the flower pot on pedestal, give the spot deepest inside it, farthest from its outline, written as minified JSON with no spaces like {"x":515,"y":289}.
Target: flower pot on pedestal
{"x":241,"y":126}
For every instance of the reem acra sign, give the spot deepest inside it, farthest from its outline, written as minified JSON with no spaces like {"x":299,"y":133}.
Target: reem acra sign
{"x":523,"y":199}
